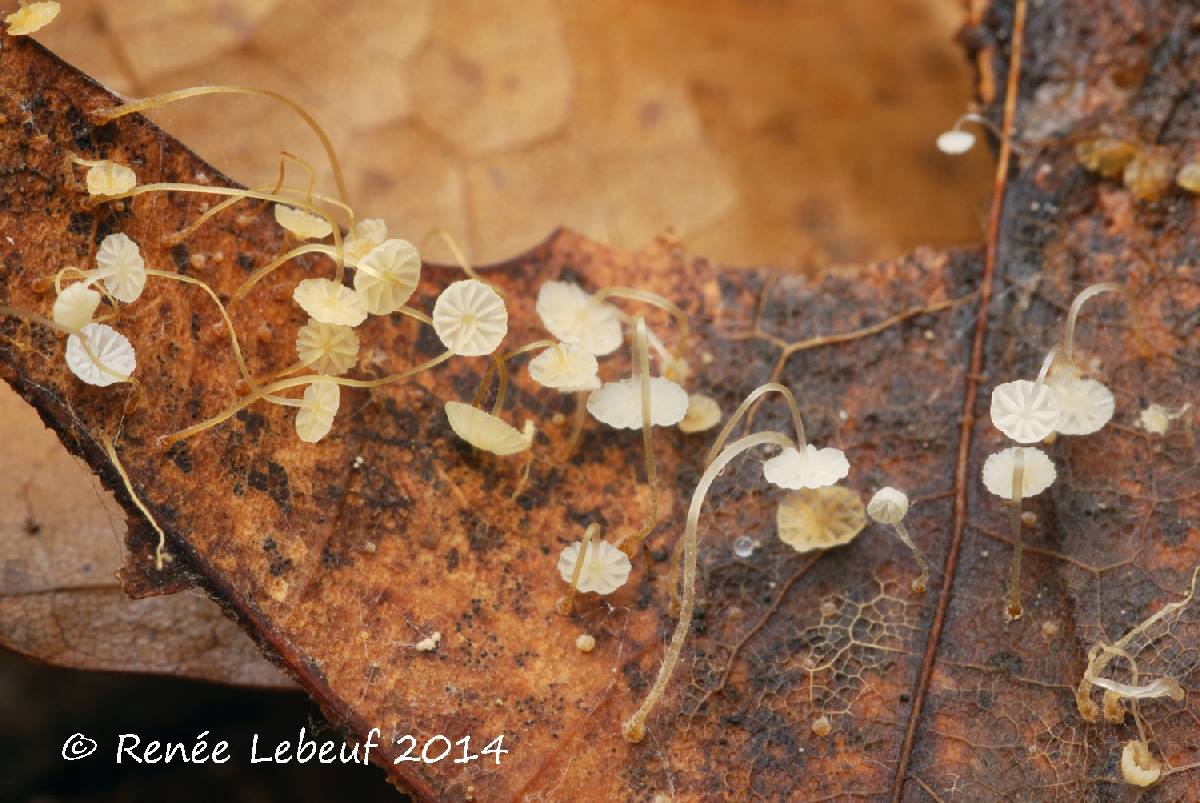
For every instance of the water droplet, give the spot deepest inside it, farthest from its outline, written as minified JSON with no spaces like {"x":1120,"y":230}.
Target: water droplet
{"x":743,"y":547}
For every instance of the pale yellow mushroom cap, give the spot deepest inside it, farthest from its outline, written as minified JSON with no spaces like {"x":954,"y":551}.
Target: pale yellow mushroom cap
{"x":31,"y":18}
{"x":387,"y":276}
{"x":1086,"y":405}
{"x":605,"y":567}
{"x":888,"y":506}
{"x":566,"y":367}
{"x":1038,"y":472}
{"x":807,"y":468}
{"x":955,"y":142}
{"x":470,"y":318}
{"x":330,"y":302}
{"x":320,"y":404}
{"x":328,"y":348}
{"x":367,"y":234}
{"x":1025,"y":411}
{"x":703,"y":413}
{"x":304,"y":225}
{"x":120,"y":266}
{"x":619,"y":404}
{"x":819,"y":518}
{"x":485,"y":431}
{"x":110,"y":178}
{"x":573,"y":316}
{"x":75,"y":306}
{"x":111,"y":348}
{"x":1138,"y":766}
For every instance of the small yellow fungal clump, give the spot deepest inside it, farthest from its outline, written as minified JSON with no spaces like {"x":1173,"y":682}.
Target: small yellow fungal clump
{"x":605,"y":567}
{"x":585,"y":643}
{"x":31,"y":18}
{"x":113,"y":351}
{"x":110,"y":178}
{"x":327,"y":348}
{"x":703,"y":413}
{"x":470,"y":318}
{"x":1138,"y":766}
{"x":387,"y":276}
{"x":320,"y":404}
{"x":808,"y":468}
{"x":120,"y":266}
{"x":487,"y":432}
{"x":619,"y":404}
{"x":821,"y":726}
{"x":75,"y":306}
{"x":1188,"y":177}
{"x":566,"y":367}
{"x":428,"y":644}
{"x":820,"y":518}
{"x":1105,"y":155}
{"x":329,"y":302}
{"x":1148,"y":176}
{"x":1157,"y":419}
{"x":304,"y":225}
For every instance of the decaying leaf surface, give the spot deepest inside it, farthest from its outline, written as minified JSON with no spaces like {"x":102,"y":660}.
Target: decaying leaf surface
{"x":61,"y":541}
{"x":807,"y":676}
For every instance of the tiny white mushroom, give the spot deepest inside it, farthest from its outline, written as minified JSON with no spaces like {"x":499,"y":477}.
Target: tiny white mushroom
{"x":605,"y":567}
{"x":327,"y":348}
{"x":573,"y":316}
{"x":387,"y":276}
{"x":470,"y":318}
{"x":808,"y":468}
{"x":1025,"y":411}
{"x":31,"y":18}
{"x":485,"y":431}
{"x":585,"y":642}
{"x":955,"y":142}
{"x":888,"y":506}
{"x":75,"y":306}
{"x":1086,"y":405}
{"x":367,"y":234}
{"x":703,"y":413}
{"x":1138,"y":766}
{"x":318,"y":407}
{"x":304,"y":225}
{"x":330,"y":302}
{"x":1038,"y":472}
{"x":110,"y":178}
{"x":619,"y":404}
{"x":428,"y":644}
{"x":111,"y":349}
{"x":566,"y":367}
{"x":120,"y":266}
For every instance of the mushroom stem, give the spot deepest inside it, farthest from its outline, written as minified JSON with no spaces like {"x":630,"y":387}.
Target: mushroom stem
{"x":459,"y":257}
{"x":116,"y":461}
{"x":921,"y":583}
{"x":262,"y":273}
{"x":1095,"y":290}
{"x":634,"y":728}
{"x":567,"y":603}
{"x":642,"y":356}
{"x":654,"y":300}
{"x":744,"y":407}
{"x":1013,"y":609}
{"x":577,"y":422}
{"x":497,"y":365}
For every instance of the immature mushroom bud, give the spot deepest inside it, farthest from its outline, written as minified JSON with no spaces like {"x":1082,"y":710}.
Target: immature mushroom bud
{"x":485,"y":431}
{"x":318,"y":407}
{"x":120,"y":266}
{"x":819,"y":518}
{"x":115,"y":358}
{"x":1157,"y":419}
{"x":109,"y":178}
{"x":387,"y":276}
{"x":304,"y":225}
{"x":75,"y":306}
{"x":1025,"y":411}
{"x":605,"y":567}
{"x":808,"y":468}
{"x":330,"y":302}
{"x":1105,"y":155}
{"x":470,"y":318}
{"x":619,"y":404}
{"x":585,"y":642}
{"x":703,"y":414}
{"x":327,"y":348}
{"x":573,"y":316}
{"x":31,"y":18}
{"x":889,"y":506}
{"x":566,"y":367}
{"x":1138,"y":766}
{"x":1148,"y":176}
{"x":1188,"y":177}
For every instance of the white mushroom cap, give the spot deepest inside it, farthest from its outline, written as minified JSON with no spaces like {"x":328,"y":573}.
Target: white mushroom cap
{"x":1025,"y":411}
{"x":819,"y":518}
{"x":387,"y":276}
{"x":328,"y":348}
{"x":605,"y":567}
{"x":75,"y":306}
{"x":119,"y":264}
{"x":110,"y":178}
{"x":955,"y":141}
{"x":470,"y":318}
{"x":31,"y":18}
{"x":1087,"y":405}
{"x":320,"y":404}
{"x":366,"y":236}
{"x":330,"y":302}
{"x":619,"y":404}
{"x":703,"y":413}
{"x":1038,"y":472}
{"x":888,"y":506}
{"x":304,"y":225}
{"x":810,"y":468}
{"x":1138,"y":766}
{"x":573,"y":316}
{"x":566,"y":367}
{"x":111,"y":348}
{"x":485,"y":431}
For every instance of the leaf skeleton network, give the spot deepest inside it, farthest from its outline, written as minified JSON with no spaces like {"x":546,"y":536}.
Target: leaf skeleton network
{"x":470,"y":319}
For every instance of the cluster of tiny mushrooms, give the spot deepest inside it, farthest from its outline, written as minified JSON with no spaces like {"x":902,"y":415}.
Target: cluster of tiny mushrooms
{"x":470,"y":319}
